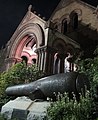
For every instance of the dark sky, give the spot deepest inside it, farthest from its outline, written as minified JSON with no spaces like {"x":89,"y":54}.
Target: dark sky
{"x":12,"y":12}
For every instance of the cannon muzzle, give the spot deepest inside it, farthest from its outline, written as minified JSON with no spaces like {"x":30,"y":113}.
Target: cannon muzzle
{"x":19,"y":90}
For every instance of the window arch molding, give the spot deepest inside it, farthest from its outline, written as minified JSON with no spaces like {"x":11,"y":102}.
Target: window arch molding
{"x":23,"y":34}
{"x":64,"y":21}
{"x":74,"y":20}
{"x":64,"y":26}
{"x":75,"y":16}
{"x":59,"y":45}
{"x":79,"y":13}
{"x":65,"y":16}
{"x":56,"y":24}
{"x":25,"y":40}
{"x":70,"y":49}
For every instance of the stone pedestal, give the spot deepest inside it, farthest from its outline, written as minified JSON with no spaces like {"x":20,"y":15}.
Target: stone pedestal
{"x":22,"y":108}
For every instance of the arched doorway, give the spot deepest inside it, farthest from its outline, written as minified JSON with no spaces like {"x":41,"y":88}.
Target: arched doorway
{"x":56,"y":67}
{"x":26,"y":49}
{"x":60,"y":53}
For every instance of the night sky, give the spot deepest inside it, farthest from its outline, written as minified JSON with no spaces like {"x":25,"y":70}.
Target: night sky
{"x":13,"y":11}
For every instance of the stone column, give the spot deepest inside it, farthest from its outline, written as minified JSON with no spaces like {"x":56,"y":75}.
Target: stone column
{"x":50,"y":60}
{"x":62,"y":61}
{"x":71,"y":62}
{"x":62,"y":65}
{"x":41,"y":61}
{"x":47,"y":66}
{"x":39,"y":58}
{"x":44,"y":58}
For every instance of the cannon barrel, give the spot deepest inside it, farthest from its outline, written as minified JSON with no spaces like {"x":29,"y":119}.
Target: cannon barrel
{"x":47,"y":86}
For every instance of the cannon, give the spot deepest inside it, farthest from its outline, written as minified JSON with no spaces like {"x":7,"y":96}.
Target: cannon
{"x":47,"y":86}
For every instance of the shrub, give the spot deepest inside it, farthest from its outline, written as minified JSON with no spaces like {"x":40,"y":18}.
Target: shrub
{"x":17,"y":74}
{"x":90,"y":68}
{"x":71,"y":109}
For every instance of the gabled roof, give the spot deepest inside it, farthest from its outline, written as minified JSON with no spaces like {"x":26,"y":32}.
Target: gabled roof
{"x":47,"y":11}
{"x":64,"y":3}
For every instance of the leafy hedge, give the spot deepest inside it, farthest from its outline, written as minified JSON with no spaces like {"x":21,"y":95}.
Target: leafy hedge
{"x":17,"y":74}
{"x":71,"y":109}
{"x":90,"y":68}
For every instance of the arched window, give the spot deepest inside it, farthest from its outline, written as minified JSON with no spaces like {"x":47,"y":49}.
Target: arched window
{"x":24,"y":59}
{"x":74,"y":20}
{"x":64,"y":26}
{"x":55,"y":26}
{"x":56,"y":68}
{"x":34,"y":61}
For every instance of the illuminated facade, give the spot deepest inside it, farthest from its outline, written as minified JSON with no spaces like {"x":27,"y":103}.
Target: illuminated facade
{"x":54,"y":45}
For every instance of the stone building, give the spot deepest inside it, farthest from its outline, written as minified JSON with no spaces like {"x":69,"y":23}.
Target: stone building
{"x":55,"y":44}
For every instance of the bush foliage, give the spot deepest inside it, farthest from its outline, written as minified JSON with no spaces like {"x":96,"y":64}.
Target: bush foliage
{"x":90,"y":68}
{"x":17,"y":74}
{"x":71,"y":109}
